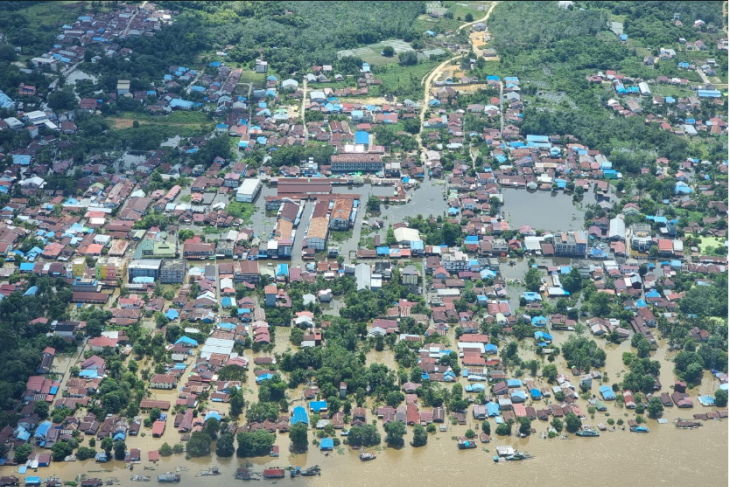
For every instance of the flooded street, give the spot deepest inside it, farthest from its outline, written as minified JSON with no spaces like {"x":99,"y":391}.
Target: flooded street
{"x":666,"y":455}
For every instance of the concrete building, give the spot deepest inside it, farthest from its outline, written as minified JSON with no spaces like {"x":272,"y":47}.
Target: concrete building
{"x":570,"y":244}
{"x":247,"y":271}
{"x":248,"y":191}
{"x":340,"y":216}
{"x":357,"y":162}
{"x":640,"y":235}
{"x":122,"y":87}
{"x":317,"y":233}
{"x":172,"y":271}
{"x":110,"y":268}
{"x":362,"y":276}
{"x":617,"y":229}
{"x":144,"y":268}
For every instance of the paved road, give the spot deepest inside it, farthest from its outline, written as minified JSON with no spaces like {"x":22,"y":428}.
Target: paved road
{"x":302,"y":114}
{"x":129,"y":22}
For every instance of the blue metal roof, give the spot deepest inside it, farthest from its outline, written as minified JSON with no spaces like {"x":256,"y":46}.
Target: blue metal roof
{"x":317,"y":405}
{"x":300,"y":416}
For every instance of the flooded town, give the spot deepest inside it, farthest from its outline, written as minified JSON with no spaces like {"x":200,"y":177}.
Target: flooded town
{"x":402,"y":258}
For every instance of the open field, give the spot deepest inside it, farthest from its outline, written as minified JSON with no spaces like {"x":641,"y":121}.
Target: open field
{"x":194,"y":120}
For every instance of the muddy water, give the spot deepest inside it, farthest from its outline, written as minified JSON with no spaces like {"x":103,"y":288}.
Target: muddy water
{"x":544,"y":209}
{"x":664,"y":456}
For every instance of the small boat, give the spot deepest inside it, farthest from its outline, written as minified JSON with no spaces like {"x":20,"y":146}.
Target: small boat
{"x":140,"y":478}
{"x":587,"y":432}
{"x":168,"y":477}
{"x":54,"y":482}
{"x":311,"y":471}
{"x":519,"y":455}
{"x":639,"y":429}
{"x":601,"y":427}
{"x":366,"y":456}
{"x":209,"y":471}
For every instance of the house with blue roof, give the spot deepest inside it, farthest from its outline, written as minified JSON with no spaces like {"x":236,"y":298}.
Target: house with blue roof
{"x":187,"y":341}
{"x":607,"y":393}
{"x":326,"y":444}
{"x":317,"y":406}
{"x":227,"y":302}
{"x":490,"y":348}
{"x":32,"y":291}
{"x":264,"y":378}
{"x":21,"y":159}
{"x":542,"y":337}
{"x":362,"y":137}
{"x":300,"y":416}
{"x":539,"y":321}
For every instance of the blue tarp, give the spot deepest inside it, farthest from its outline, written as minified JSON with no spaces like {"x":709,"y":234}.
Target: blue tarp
{"x":172,"y":314}
{"x":536,"y":394}
{"x":214,"y":415}
{"x":264,"y":378}
{"x":514,"y":383}
{"x":227,"y":302}
{"x":89,"y":374}
{"x":362,"y":137}
{"x":326,"y":444}
{"x":490,"y":348}
{"x":186,"y":340}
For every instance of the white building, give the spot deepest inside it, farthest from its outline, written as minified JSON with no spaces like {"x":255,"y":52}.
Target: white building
{"x":248,"y":191}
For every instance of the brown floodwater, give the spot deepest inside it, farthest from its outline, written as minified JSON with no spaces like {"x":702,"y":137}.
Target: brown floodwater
{"x":666,"y":455}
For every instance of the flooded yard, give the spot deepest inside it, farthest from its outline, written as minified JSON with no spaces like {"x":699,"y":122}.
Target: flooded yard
{"x":544,"y":210}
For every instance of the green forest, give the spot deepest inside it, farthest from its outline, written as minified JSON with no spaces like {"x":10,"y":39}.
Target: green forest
{"x":291,"y":36}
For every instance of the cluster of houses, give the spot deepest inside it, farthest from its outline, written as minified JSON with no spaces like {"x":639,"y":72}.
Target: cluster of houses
{"x":102,"y":31}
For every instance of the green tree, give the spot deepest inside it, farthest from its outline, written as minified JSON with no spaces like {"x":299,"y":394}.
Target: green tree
{"x":525,"y":425}
{"x":557,"y":424}
{"x":22,"y":453}
{"x":178,"y":448}
{"x":85,"y":453}
{"x":373,"y":203}
{"x":550,"y":372}
{"x":420,"y":437}
{"x":298,"y":435}
{"x":199,"y":444}
{"x":224,"y":446}
{"x":367,"y":435}
{"x":388,"y":51}
{"x":155,"y":414}
{"x":211,"y":428}
{"x":165,"y":450}
{"x":236,"y":402}
{"x":41,"y":409}
{"x":107,"y":444}
{"x":721,"y":398}
{"x":533,"y":280}
{"x":470,"y":433}
{"x":572,"y":422}
{"x":60,"y":451}
{"x":504,"y":429}
{"x":120,"y":450}
{"x":254,"y":444}
{"x":600,"y":304}
{"x":469,"y":17}
{"x":395,"y":431}
{"x":655,"y":408}
{"x":486,"y":427}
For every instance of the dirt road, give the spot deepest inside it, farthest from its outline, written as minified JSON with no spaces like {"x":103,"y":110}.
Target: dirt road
{"x":435,"y":73}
